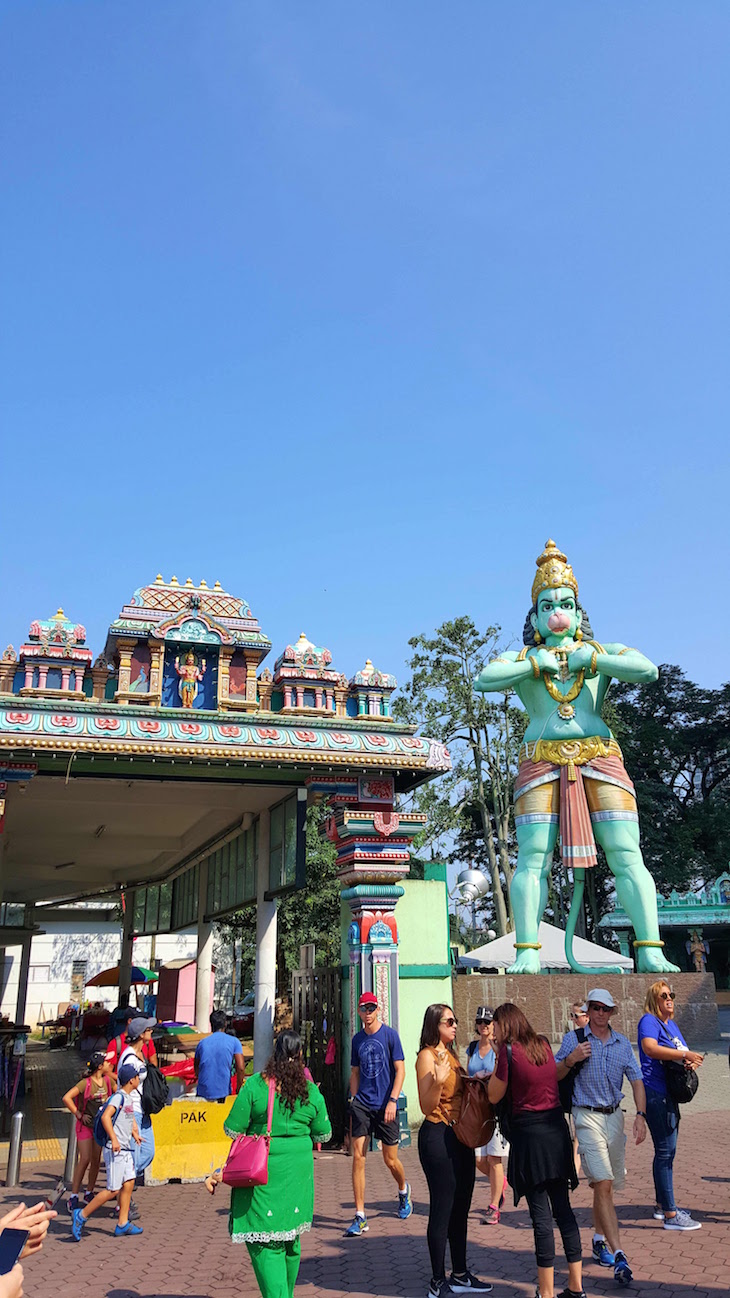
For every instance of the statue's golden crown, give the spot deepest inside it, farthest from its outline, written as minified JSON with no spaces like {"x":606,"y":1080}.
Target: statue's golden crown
{"x":553,"y":570}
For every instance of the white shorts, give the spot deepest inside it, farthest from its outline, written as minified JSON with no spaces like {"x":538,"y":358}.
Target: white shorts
{"x":119,"y":1168}
{"x":601,"y":1145}
{"x":497,"y":1147}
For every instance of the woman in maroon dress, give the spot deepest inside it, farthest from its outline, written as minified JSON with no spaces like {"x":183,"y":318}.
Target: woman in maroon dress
{"x":541,"y":1156}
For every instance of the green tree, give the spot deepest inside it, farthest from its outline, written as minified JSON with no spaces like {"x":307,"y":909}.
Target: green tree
{"x":676,"y":742}
{"x":470,"y":808}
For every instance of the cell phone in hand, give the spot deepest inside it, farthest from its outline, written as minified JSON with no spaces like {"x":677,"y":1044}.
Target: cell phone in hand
{"x":55,"y":1198}
{"x":12,"y":1243}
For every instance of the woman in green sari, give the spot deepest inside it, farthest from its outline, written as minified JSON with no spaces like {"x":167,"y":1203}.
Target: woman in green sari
{"x":271,"y":1219}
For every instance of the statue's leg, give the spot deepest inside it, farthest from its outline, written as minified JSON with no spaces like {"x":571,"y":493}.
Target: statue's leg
{"x":529,"y":889}
{"x":635,"y":889}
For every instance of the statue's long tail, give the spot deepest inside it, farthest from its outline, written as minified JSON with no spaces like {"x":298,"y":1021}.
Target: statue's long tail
{"x":579,"y":882}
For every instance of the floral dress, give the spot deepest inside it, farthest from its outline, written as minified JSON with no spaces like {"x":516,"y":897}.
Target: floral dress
{"x":283,"y":1208}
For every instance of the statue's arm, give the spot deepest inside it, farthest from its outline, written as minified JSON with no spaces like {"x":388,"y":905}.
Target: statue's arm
{"x":626,"y":664}
{"x":503,"y":673}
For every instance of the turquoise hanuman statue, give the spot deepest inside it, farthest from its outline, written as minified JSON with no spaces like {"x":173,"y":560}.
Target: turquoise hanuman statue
{"x":571,"y":773}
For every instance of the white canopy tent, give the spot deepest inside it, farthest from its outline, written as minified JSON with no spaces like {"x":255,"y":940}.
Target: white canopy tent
{"x":500,"y":953}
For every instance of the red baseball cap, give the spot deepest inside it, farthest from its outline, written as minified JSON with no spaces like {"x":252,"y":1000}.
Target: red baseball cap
{"x":367,"y":998}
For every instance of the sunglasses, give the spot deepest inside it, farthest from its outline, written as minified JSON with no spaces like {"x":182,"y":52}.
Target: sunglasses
{"x":483,"y":1023}
{"x":667,"y":996}
{"x":368,"y":1009}
{"x":577,"y":1014}
{"x":600,"y":1009}
{"x":450,"y":1023}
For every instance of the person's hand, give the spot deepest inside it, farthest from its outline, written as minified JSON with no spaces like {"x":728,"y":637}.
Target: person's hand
{"x":639,"y":1129}
{"x":580,"y":659}
{"x":116,"y":1147}
{"x":11,"y":1285}
{"x":546,"y":661}
{"x":87,"y":1120}
{"x":211,"y":1182}
{"x":391,"y":1110}
{"x":137,"y":1137}
{"x":692,"y":1059}
{"x":442,"y":1067}
{"x":582,"y":1051}
{"x":35,"y":1220}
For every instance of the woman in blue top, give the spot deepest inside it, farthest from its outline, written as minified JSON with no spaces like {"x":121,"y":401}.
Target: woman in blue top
{"x":660,"y":1039}
{"x":481,"y":1061}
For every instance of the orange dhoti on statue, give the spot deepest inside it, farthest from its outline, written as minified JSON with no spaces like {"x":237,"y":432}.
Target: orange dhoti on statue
{"x":574,"y":784}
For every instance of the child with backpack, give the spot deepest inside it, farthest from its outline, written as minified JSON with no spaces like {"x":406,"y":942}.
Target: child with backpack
{"x":118,"y":1129}
{"x":84,"y":1100}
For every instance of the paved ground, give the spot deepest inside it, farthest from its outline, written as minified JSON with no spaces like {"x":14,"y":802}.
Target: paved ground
{"x":185,"y":1251}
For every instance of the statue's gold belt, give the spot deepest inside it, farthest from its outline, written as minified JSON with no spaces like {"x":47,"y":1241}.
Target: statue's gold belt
{"x":569,"y":752}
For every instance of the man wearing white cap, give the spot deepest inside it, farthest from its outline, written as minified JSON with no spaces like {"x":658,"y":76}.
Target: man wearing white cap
{"x":607,"y":1057}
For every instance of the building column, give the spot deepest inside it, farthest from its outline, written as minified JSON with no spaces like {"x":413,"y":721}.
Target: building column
{"x":20,"y":1005}
{"x":299,"y":692}
{"x":42,"y":676}
{"x":224,"y":675}
{"x":265,"y":976}
{"x":65,"y":678}
{"x":28,"y":685}
{"x":252,"y":662}
{"x":204,"y":962}
{"x":125,"y":649}
{"x":125,"y":961}
{"x":157,"y":662}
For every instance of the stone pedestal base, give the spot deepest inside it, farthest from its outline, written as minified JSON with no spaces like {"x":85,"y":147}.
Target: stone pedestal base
{"x":546,"y":1000}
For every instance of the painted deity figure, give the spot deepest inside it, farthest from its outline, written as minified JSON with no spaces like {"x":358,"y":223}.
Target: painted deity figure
{"x":699,"y":951}
{"x":190,"y":674}
{"x":571,"y":775}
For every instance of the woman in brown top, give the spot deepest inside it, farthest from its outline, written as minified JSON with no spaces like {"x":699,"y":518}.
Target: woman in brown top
{"x":448,"y":1165}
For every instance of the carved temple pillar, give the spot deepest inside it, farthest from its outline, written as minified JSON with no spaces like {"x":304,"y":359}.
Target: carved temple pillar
{"x":341,"y":701}
{"x":126,"y":649}
{"x":224,"y":674}
{"x":373,"y":855}
{"x":157,"y":663}
{"x":99,"y":677}
{"x":252,"y":662}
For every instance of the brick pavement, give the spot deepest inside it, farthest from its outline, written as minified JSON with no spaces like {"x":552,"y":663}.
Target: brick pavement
{"x":185,"y":1251}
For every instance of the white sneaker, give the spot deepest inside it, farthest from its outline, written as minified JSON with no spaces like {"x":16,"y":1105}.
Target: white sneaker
{"x":682,"y":1221}
{"x":658,"y":1213}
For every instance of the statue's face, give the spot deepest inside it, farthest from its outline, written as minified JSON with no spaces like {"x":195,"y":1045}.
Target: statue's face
{"x":557,"y":617}
{"x":190,"y":658}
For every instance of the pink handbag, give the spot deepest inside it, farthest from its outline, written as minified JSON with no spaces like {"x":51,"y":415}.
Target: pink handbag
{"x":248,"y":1158}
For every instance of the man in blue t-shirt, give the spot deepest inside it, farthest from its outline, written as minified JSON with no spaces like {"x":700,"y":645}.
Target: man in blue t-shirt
{"x":214,"y":1058}
{"x":376,"y":1080}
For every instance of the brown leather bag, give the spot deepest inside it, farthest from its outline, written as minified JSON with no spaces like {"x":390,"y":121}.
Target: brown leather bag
{"x":475,"y":1125}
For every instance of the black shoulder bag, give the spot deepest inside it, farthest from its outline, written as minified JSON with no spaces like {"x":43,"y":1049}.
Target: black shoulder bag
{"x":566,"y":1084}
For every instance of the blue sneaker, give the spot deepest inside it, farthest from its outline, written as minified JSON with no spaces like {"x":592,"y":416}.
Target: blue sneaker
{"x":622,"y":1272}
{"x":129,"y":1229}
{"x":359,"y":1226}
{"x":405,"y":1204}
{"x":77,"y":1224}
{"x":602,"y":1253}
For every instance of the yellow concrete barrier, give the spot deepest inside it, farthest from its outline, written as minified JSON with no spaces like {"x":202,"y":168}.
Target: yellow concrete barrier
{"x":189,"y":1140}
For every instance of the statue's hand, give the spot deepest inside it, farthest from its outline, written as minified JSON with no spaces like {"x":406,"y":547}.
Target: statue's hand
{"x":580,"y":659}
{"x":546,"y":661}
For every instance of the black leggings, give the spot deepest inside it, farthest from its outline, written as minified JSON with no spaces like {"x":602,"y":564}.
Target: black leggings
{"x":545,"y":1201}
{"x":449,"y":1167}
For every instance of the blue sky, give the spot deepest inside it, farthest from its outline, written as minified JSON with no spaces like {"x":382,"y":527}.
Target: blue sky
{"x":350,"y":306}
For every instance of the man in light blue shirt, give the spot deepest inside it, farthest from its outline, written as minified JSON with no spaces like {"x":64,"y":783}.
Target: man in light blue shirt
{"x":214,"y":1059}
{"x":605,"y":1058}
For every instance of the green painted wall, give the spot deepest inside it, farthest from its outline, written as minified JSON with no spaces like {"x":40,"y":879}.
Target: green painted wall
{"x":425,"y":970}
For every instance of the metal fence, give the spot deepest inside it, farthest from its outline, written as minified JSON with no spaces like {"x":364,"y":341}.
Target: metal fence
{"x":317,"y":1015}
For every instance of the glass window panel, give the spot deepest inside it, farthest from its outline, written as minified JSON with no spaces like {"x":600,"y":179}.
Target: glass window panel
{"x":290,"y":842}
{"x":140,"y":897}
{"x":152,"y":911}
{"x":165,"y":915}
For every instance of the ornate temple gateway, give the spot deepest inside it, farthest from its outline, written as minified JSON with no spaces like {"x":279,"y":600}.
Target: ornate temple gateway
{"x":176,"y":770}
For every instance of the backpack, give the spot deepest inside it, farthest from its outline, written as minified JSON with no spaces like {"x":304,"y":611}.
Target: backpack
{"x":156,"y":1091}
{"x":566,"y":1084}
{"x":100,"y":1135}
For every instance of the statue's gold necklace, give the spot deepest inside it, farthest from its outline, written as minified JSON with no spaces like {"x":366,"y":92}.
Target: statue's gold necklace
{"x":564,"y":701}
